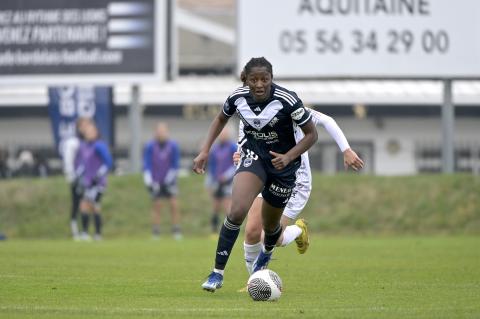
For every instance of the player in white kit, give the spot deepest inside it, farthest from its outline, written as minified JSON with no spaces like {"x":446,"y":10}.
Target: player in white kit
{"x":300,"y":194}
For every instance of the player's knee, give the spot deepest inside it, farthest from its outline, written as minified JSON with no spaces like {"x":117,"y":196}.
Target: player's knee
{"x":237,"y":213}
{"x":253,"y":233}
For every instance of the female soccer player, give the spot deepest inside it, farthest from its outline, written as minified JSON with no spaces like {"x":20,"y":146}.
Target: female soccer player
{"x":220,"y":174}
{"x":161,"y":161}
{"x":303,"y":186}
{"x":272,"y":156}
{"x":70,"y":165}
{"x":95,"y":162}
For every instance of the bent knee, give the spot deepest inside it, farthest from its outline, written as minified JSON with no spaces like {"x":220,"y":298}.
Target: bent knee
{"x":253,"y":234}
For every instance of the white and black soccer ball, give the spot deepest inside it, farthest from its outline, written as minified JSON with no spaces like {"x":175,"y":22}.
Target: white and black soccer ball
{"x":264,"y":285}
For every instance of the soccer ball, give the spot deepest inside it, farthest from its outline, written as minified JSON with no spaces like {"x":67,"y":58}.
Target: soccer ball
{"x":264,"y":285}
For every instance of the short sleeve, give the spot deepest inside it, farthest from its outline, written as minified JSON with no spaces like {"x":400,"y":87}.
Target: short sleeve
{"x":229,"y":107}
{"x":300,"y":115}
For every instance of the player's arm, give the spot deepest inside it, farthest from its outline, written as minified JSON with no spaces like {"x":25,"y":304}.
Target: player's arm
{"x":303,"y":119}
{"x":102,"y":150}
{"x":216,"y":127}
{"x":241,"y":140}
{"x":147,"y":165}
{"x":280,"y":161}
{"x":350,"y":158}
{"x":174,"y":165}
{"x":70,"y":152}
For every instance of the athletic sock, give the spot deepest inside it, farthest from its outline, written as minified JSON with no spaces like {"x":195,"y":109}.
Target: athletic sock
{"x":98,"y":223}
{"x":156,"y":230}
{"x":290,"y":234}
{"x":215,"y":221}
{"x":176,"y":229}
{"x":226,"y":240}
{"x":85,"y":221}
{"x":219,"y":271}
{"x":74,"y":227}
{"x":251,"y":253}
{"x":271,"y":239}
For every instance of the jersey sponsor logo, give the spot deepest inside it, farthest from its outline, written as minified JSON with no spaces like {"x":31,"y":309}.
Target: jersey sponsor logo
{"x":258,"y":109}
{"x":263,"y":136}
{"x":297,"y":115}
{"x":280,"y":191}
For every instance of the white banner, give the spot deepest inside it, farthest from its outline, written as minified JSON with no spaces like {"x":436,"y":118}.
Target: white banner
{"x":362,"y":38}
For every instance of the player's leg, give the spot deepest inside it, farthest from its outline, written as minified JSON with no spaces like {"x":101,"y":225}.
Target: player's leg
{"x":253,"y":234}
{"x":272,"y":231}
{"x":85,"y":210}
{"x":215,"y":220}
{"x":246,"y":186}
{"x":276,"y":195}
{"x":299,"y":230}
{"x":76,"y":197}
{"x":175,"y":212}
{"x":156,"y":215}
{"x":97,"y":216}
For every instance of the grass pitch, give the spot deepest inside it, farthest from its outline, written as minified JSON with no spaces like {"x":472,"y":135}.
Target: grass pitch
{"x":414,"y":277}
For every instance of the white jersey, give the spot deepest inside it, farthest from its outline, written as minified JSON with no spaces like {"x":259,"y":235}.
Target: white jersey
{"x":303,"y":184}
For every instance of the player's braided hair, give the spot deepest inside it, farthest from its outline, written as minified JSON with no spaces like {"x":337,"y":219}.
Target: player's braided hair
{"x":258,"y":62}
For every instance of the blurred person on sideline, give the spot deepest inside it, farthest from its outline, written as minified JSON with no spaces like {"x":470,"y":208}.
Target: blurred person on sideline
{"x":4,"y":170}
{"x":220,"y":172}
{"x":25,"y":165}
{"x":161,"y":162}
{"x":95,"y":162}
{"x":41,"y":167}
{"x":71,"y":162}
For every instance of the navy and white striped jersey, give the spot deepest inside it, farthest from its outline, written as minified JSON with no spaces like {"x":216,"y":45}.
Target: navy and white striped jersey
{"x":269,"y":125}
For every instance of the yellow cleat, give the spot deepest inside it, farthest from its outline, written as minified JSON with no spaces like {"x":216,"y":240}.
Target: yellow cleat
{"x":303,"y":241}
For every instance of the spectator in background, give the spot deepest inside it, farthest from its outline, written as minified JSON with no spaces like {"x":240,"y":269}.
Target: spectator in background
{"x":161,"y":161}
{"x":220,"y":172}
{"x":4,"y":171}
{"x":41,"y":167}
{"x":25,"y":164}
{"x":71,"y":162}
{"x":95,"y":162}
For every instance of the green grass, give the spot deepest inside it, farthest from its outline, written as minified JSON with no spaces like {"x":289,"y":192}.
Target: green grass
{"x":353,"y":277}
{"x":341,"y":204}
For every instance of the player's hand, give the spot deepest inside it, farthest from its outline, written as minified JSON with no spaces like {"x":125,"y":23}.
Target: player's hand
{"x":280,"y":161}
{"x":199,"y":162}
{"x":236,"y":158}
{"x":351,"y":159}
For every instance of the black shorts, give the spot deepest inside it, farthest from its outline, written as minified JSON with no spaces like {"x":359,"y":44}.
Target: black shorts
{"x":222,"y":190}
{"x":277,"y":189}
{"x":164,"y":191}
{"x":93,"y":194}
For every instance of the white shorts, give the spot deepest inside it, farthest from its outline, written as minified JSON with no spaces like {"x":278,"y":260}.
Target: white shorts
{"x":301,"y":192}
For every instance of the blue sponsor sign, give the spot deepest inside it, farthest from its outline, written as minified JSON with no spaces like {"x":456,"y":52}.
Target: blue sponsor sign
{"x":68,"y":103}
